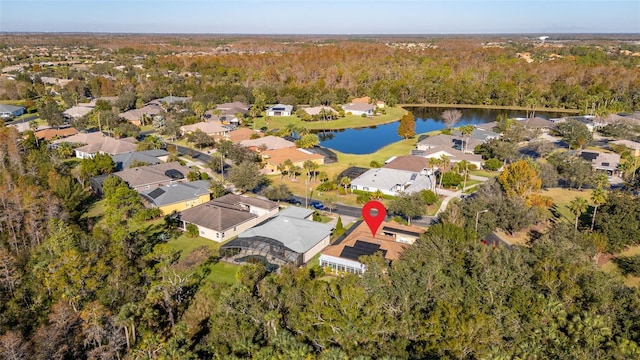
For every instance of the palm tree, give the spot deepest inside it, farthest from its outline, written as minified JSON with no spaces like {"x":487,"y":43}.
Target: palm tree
{"x":463,"y":167}
{"x":281,"y":168}
{"x":466,"y":131}
{"x":288,"y":165}
{"x":578,"y":206}
{"x":345,"y":181}
{"x":445,"y":165}
{"x":377,"y":194}
{"x":310,"y":167}
{"x":599,"y":197}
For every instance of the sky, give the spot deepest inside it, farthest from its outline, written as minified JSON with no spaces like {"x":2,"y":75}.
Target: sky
{"x":322,"y":17}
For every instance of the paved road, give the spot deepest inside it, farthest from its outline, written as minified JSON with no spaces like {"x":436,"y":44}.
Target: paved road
{"x":23,"y":120}
{"x":356,"y":212}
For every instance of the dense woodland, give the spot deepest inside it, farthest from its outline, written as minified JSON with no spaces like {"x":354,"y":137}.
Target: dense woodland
{"x":74,"y":286}
{"x":591,"y":75}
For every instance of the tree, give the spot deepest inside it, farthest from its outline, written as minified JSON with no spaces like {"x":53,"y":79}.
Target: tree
{"x":429,"y":197}
{"x":574,"y":133}
{"x":200,"y":139}
{"x":578,"y":206}
{"x":308,"y":141}
{"x":245,"y":176}
{"x":150,"y":142}
{"x":277,"y":192}
{"x":100,"y":164}
{"x":407,"y":127}
{"x":310,"y":167}
{"x":451,"y":117}
{"x":345,"y":181}
{"x":493,"y":164}
{"x":408,"y":206}
{"x":466,"y":131}
{"x":444,"y":166}
{"x":217,"y":188}
{"x":49,"y":111}
{"x":192,"y":230}
{"x":599,"y":197}
{"x":520,"y":179}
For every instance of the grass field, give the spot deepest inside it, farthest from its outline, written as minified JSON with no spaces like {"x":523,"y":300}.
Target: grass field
{"x":561,"y":199}
{"x":611,"y":268}
{"x":350,"y":121}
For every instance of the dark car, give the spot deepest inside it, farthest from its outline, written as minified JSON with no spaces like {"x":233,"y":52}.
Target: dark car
{"x":317,"y":204}
{"x":293,"y":201}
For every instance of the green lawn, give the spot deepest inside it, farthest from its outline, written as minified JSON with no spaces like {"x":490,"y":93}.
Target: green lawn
{"x":484,"y":173}
{"x":611,"y":267}
{"x":222,"y":272}
{"x":349,"y":121}
{"x":561,"y":199}
{"x":187,"y":244}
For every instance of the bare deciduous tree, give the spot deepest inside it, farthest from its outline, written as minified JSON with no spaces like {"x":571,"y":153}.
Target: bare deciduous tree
{"x":451,"y":117}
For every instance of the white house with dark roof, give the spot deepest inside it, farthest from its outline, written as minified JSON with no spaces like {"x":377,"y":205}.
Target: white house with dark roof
{"x":280,"y":110}
{"x":393,"y":181}
{"x":359,"y":109}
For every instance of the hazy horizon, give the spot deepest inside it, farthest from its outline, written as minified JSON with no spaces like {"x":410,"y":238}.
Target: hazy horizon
{"x":329,"y":17}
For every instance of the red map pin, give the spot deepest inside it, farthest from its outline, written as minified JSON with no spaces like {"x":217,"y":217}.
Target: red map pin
{"x":374,"y":221}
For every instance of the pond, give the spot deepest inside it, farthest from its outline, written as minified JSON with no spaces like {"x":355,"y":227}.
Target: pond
{"x":370,"y":139}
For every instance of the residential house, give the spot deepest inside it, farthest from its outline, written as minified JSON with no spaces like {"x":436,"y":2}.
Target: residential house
{"x":152,"y":176}
{"x":170,"y":100}
{"x":78,"y":111}
{"x":150,"y":157}
{"x":178,"y":196}
{"x":280,"y":110}
{"x":290,"y":237}
{"x":50,"y":134}
{"x":9,"y":111}
{"x":477,"y":137}
{"x":391,"y":239}
{"x":633,"y":146}
{"x":359,"y":109}
{"x":407,"y":163}
{"x":361,"y":100}
{"x":227,"y":216}
{"x":317,"y":110}
{"x":268,"y":143}
{"x":239,"y":134}
{"x":393,"y":182}
{"x":233,"y":108}
{"x":209,"y":128}
{"x":538,"y":123}
{"x":298,"y":157}
{"x":601,"y":161}
{"x":447,"y":145}
{"x":108,"y":145}
{"x":380,"y":104}
{"x":144,"y":114}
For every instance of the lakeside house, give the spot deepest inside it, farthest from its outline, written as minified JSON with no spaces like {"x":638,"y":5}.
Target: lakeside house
{"x":280,"y":110}
{"x":359,"y":109}
{"x":274,"y":158}
{"x":269,"y":142}
{"x":393,"y":182}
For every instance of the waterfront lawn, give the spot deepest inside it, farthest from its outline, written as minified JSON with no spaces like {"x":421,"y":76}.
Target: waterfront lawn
{"x":349,"y":121}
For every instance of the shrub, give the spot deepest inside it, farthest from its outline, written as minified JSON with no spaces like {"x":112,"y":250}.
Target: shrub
{"x":374,"y":164}
{"x":451,"y":179}
{"x":342,"y":191}
{"x":363,"y":198}
{"x":192,"y":230}
{"x":493,"y":164}
{"x":429,"y":197}
{"x":327,"y":186}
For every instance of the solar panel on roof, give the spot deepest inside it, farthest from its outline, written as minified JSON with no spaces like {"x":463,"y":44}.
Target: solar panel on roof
{"x":174,"y":174}
{"x":360,"y":248}
{"x":278,"y":109}
{"x":414,"y":176}
{"x":156,"y":193}
{"x":605,"y":164}
{"x":589,"y":156}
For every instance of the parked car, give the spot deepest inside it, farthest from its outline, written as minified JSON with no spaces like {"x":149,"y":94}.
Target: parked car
{"x":293,"y":201}
{"x":317,"y":204}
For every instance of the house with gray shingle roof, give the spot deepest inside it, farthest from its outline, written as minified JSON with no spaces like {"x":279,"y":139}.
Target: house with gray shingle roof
{"x":150,"y":157}
{"x":281,"y":240}
{"x":393,"y":181}
{"x":178,"y":196}
{"x":227,"y":216}
{"x":150,"y":177}
{"x":9,"y":111}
